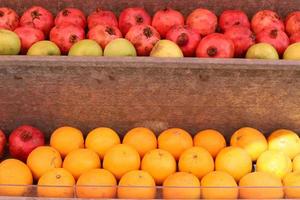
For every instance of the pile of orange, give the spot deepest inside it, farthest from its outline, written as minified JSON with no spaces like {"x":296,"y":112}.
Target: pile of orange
{"x":203,"y":166}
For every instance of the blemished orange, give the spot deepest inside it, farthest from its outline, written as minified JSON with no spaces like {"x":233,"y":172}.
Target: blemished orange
{"x":137,"y":184}
{"x":14,"y":172}
{"x":175,"y":141}
{"x":96,"y":183}
{"x":121,"y":159}
{"x":196,"y":160}
{"x":235,"y":161}
{"x":142,"y":139}
{"x":296,"y":163}
{"x":66,"y":139}
{"x":292,"y":185}
{"x":274,"y":162}
{"x":260,"y":185}
{"x":81,"y":160}
{"x":56,"y":183}
{"x":159,"y":164}
{"x":101,"y":139}
{"x":219,"y":185}
{"x":250,"y":139}
{"x":286,"y":141}
{"x":212,"y":140}
{"x":42,"y":159}
{"x":181,"y":185}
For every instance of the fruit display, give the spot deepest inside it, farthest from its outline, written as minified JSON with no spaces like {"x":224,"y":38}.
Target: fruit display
{"x":201,"y":33}
{"x":174,"y":164}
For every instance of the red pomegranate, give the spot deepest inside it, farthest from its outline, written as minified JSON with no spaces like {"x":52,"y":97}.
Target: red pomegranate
{"x":295,"y":38}
{"x":9,"y":19}
{"x":103,"y":34}
{"x":185,"y":37}
{"x":65,"y":35}
{"x":242,"y":38}
{"x":2,"y":143}
{"x":231,"y":18}
{"x":28,"y":36}
{"x":39,"y":18}
{"x":277,"y":38}
{"x":23,"y":140}
{"x":71,"y":15}
{"x":215,"y":45}
{"x":143,"y":37}
{"x":203,"y":21}
{"x":133,"y":16}
{"x":165,"y":19}
{"x":292,"y":23}
{"x":266,"y":19}
{"x":103,"y":17}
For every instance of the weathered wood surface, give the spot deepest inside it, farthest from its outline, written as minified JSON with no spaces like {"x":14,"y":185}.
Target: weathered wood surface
{"x":185,"y":6}
{"x":122,"y":93}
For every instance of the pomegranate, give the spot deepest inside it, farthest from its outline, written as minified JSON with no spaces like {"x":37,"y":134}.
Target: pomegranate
{"x":2,"y":143}
{"x":215,"y":45}
{"x":28,"y":37}
{"x":185,"y":37}
{"x":23,"y":140}
{"x":164,"y":20}
{"x":71,"y":15}
{"x":292,"y":23}
{"x":277,"y":38}
{"x":295,"y":38}
{"x":242,"y":38}
{"x":133,"y":16}
{"x":265,"y":19}
{"x":65,"y":35}
{"x":39,"y":18}
{"x":203,"y":21}
{"x":143,"y":37}
{"x":103,"y":34}
{"x":103,"y":17}
{"x":9,"y":19}
{"x":231,"y":18}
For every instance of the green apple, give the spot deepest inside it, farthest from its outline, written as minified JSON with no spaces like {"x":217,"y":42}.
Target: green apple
{"x":86,"y":48}
{"x":262,"y":51}
{"x":44,"y":48}
{"x":10,"y":43}
{"x":119,"y":47}
{"x":166,"y":48}
{"x":292,"y":52}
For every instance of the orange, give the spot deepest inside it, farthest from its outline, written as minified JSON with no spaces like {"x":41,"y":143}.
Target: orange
{"x":286,"y":141}
{"x":121,"y":159}
{"x":142,"y":139}
{"x":42,"y":159}
{"x":211,"y":140}
{"x":66,"y":139}
{"x":250,"y":139}
{"x":196,"y":160}
{"x":101,"y":139}
{"x":235,"y":161}
{"x":96,"y":183}
{"x":292,"y":185}
{"x":274,"y":162}
{"x":219,"y":185}
{"x":57,"y":183}
{"x":181,"y":185}
{"x":14,"y":172}
{"x":81,"y":160}
{"x":296,"y":163}
{"x":160,"y":164}
{"x":175,"y":141}
{"x":137,"y":184}
{"x":260,"y":185}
